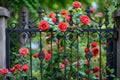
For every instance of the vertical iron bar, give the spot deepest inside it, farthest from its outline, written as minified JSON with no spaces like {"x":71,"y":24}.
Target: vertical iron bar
{"x":110,"y":58}
{"x":77,"y":57}
{"x":7,"y":51}
{"x":51,"y":54}
{"x":40,"y":54}
{"x":30,"y":58}
{"x":100,"y":37}
{"x":88,"y":46}
{"x":100,"y":56}
{"x":58,"y":37}
{"x":70,"y":61}
{"x":115,"y":52}
{"x":65,"y":55}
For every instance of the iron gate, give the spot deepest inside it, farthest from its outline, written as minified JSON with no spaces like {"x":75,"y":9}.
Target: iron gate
{"x":68,"y":58}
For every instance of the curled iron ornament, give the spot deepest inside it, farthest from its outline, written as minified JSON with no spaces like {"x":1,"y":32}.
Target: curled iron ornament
{"x":57,"y":18}
{"x":106,"y":22}
{"x":88,"y":14}
{"x":41,"y":56}
{"x":14,"y":25}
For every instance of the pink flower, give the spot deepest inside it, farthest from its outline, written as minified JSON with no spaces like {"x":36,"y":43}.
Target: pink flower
{"x":93,"y":44}
{"x":61,"y":65}
{"x":77,"y":64}
{"x":84,"y":19}
{"x":57,"y":41}
{"x":95,"y":51}
{"x":86,"y":61}
{"x":63,"y":12}
{"x":54,"y":20}
{"x":4,"y":71}
{"x":44,"y":50}
{"x":43,"y":25}
{"x":62,"y":26}
{"x":92,"y":9}
{"x":95,"y":59}
{"x":100,"y":14}
{"x":24,"y":67}
{"x":35,"y":55}
{"x":51,"y":14}
{"x":23,"y":51}
{"x":76,"y":4}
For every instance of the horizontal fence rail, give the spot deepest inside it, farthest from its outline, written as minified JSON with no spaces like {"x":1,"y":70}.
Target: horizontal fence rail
{"x":85,"y":52}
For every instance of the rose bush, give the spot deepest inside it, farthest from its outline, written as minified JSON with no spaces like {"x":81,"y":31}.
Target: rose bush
{"x":70,"y":51}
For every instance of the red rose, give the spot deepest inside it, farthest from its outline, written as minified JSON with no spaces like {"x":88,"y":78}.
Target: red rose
{"x":4,"y":71}
{"x":76,"y":4}
{"x":86,"y":49}
{"x":84,"y":19}
{"x":62,"y":26}
{"x":49,"y":51}
{"x":54,"y":20}
{"x":65,"y":61}
{"x":24,"y":67}
{"x":43,"y":25}
{"x":77,"y":64}
{"x":96,"y":69}
{"x":51,"y":14}
{"x":86,"y":61}
{"x":12,"y":69}
{"x":35,"y":55}
{"x":63,"y":12}
{"x":61,"y":65}
{"x":86,"y":71}
{"x":67,"y":17}
{"x":97,"y":75}
{"x":100,"y":14}
{"x":17,"y":66}
{"x":23,"y":51}
{"x":93,"y":44}
{"x":47,"y":56}
{"x":95,"y":51}
{"x":92,"y":9}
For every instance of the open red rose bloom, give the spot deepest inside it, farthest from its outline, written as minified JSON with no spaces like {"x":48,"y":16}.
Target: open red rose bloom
{"x":95,"y":51}
{"x":43,"y":25}
{"x":23,"y":51}
{"x":84,"y":19}
{"x":76,"y":4}
{"x":62,"y":26}
{"x":4,"y":71}
{"x":25,"y":67}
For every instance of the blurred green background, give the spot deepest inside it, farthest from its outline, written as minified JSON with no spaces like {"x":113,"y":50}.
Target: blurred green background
{"x":16,"y":6}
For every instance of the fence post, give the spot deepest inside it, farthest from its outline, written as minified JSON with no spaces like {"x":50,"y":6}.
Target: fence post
{"x":4,"y":14}
{"x":116,"y":17}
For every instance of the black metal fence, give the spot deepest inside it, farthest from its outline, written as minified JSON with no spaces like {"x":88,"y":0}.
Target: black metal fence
{"x":68,"y":59}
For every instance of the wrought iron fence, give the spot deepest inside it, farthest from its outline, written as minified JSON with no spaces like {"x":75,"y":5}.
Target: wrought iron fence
{"x":71,"y":54}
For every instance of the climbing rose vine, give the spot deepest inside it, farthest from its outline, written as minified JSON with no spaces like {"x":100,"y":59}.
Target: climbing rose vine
{"x":65,"y":26}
